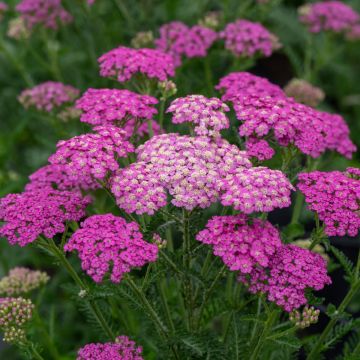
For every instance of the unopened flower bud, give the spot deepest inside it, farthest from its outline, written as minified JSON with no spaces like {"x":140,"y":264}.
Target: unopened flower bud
{"x":143,"y":39}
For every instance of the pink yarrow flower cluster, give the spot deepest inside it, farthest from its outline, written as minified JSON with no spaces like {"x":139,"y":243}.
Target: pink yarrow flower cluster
{"x":178,"y":40}
{"x":247,"y":39}
{"x":93,"y":155}
{"x":123,"y":63}
{"x":108,"y":244}
{"x":39,"y":212}
{"x":112,"y":106}
{"x":290,"y":272}
{"x":258,"y":189}
{"x":122,"y":349}
{"x":239,"y":84}
{"x":312,"y":131}
{"x":48,"y":13}
{"x":189,"y":168}
{"x":259,"y":149}
{"x":332,"y":16}
{"x":48,"y":96}
{"x":335,"y":197}
{"x":240,"y":242}
{"x":207,"y":115}
{"x":59,"y":177}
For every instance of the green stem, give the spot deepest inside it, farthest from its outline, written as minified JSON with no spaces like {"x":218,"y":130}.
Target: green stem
{"x":165,"y":305}
{"x":208,"y":75}
{"x":267,"y":328}
{"x":35,"y":353}
{"x":72,"y":272}
{"x":316,"y":350}
{"x":299,"y":200}
{"x":170,"y":262}
{"x":150,"y":128}
{"x":208,"y":293}
{"x":161,"y":112}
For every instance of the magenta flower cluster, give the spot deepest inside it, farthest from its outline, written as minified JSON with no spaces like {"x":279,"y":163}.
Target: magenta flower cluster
{"x":178,"y":40}
{"x":59,"y":177}
{"x":39,"y":212}
{"x":247,"y":39}
{"x":206,"y":115}
{"x":335,"y":197}
{"x":241,"y":243}
{"x":312,"y":131}
{"x":108,"y":244}
{"x":258,"y":189}
{"x":93,"y":155}
{"x":259,"y":149}
{"x":123,"y":63}
{"x":112,"y":106}
{"x":48,"y":96}
{"x":189,"y":168}
{"x":122,"y":349}
{"x":48,"y":13}
{"x":238,"y":84}
{"x":332,"y":16}
{"x":290,"y":272}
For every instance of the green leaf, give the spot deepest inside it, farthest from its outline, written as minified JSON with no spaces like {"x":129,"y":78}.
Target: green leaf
{"x":293,"y":231}
{"x":345,"y":262}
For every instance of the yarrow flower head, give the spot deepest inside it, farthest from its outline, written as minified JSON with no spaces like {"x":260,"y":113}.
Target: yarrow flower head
{"x":92,"y":155}
{"x":178,"y":40}
{"x":59,"y":177}
{"x":17,"y":29}
{"x":122,"y":349}
{"x":332,"y":16}
{"x":48,"y":13}
{"x":291,"y":271}
{"x":207,"y":115}
{"x":14,"y":314}
{"x":143,"y":39}
{"x":238,"y":84}
{"x":311,"y":131}
{"x":112,"y":106}
{"x":108,"y":244}
{"x":39,"y":212}
{"x":247,"y":39}
{"x":241,"y":243}
{"x":123,"y":63}
{"x":211,"y":20}
{"x":258,"y":189}
{"x":304,"y":93}
{"x":303,"y":319}
{"x":48,"y":96}
{"x":259,"y":149}
{"x":22,"y":280}
{"x":335,"y":197}
{"x":189,"y":168}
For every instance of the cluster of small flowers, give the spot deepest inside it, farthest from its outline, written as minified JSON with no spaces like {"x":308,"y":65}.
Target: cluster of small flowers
{"x":318,"y":248}
{"x":312,"y":131}
{"x":354,"y":33}
{"x":258,"y":189}
{"x":92,"y":155}
{"x":308,"y":316}
{"x":48,"y":13}
{"x":304,"y":93}
{"x":143,"y":39}
{"x":107,"y":243}
{"x":112,"y":106}
{"x":246,"y":39}
{"x":48,"y":96}
{"x":332,"y":16}
{"x":69,"y":113}
{"x":14,"y":314}
{"x":259,"y":149}
{"x":137,"y":189}
{"x":32,"y":213}
{"x":122,"y":349}
{"x":335,"y":197}
{"x":211,"y":20}
{"x":123,"y":63}
{"x":178,"y":40}
{"x":58,"y":177}
{"x":17,"y":29}
{"x":22,"y":280}
{"x":291,"y":271}
{"x":241,"y":243}
{"x":208,"y":115}
{"x":238,"y":84}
